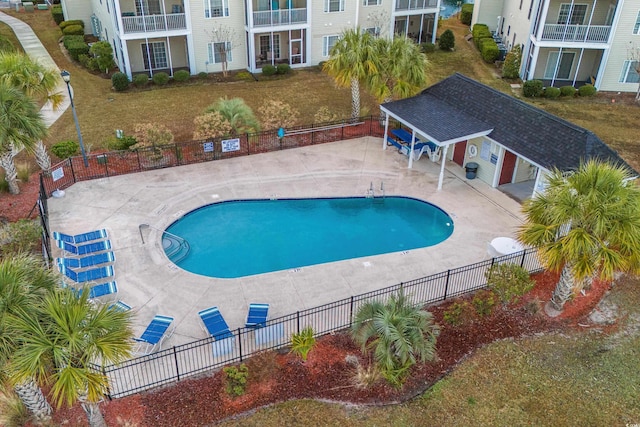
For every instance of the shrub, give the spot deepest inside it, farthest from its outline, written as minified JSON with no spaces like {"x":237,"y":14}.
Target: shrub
{"x":466,"y":13}
{"x":4,"y":185}
{"x":447,"y":40}
{"x":140,"y":80}
{"x":160,"y":78}
{"x":489,"y":50}
{"x":103,"y":55}
{"x":276,"y":114}
{"x":283,"y":68}
{"x":509,"y":282}
{"x":457,"y":313}
{"x":57,"y":14}
{"x":124,"y":143}
{"x":120,"y":81}
{"x":567,"y":91}
{"x":511,"y":66}
{"x":202,"y":75}
{"x":181,"y":76}
{"x":428,"y":47}
{"x":551,"y":92}
{"x":89,"y":62}
{"x":587,"y":90}
{"x":151,"y":135}
{"x":75,"y":45}
{"x":65,"y":149}
{"x":211,"y":125}
{"x":73,"y":30}
{"x":19,"y":237}
{"x":65,"y":24}
{"x":244,"y":76}
{"x":324,"y":114}
{"x":479,"y":33}
{"x":483,"y":302}
{"x":532,"y":88}
{"x":24,"y":171}
{"x":302,"y":343}
{"x":13,"y":413}
{"x":269,"y":70}
{"x":236,"y":379}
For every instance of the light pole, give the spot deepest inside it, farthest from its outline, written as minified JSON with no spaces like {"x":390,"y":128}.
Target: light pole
{"x":66,"y":76}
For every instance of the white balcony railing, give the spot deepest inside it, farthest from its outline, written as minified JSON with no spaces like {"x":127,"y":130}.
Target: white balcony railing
{"x":415,"y":4}
{"x":268,"y":18}
{"x":151,"y":23}
{"x":576,"y":33}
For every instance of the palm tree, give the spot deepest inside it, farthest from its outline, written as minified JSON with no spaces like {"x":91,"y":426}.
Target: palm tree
{"x":398,"y":333}
{"x":239,"y":115}
{"x":586,"y":224}
{"x":23,"y":283}
{"x":63,"y":343}
{"x":20,"y":126}
{"x":401,"y":69}
{"x":37,"y":82}
{"x":353,"y":59}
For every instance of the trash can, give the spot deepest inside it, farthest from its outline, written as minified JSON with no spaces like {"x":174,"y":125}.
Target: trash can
{"x":472,"y":169}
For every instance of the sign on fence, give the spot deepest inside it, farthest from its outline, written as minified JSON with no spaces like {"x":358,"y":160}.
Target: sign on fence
{"x":57,"y":174}
{"x":230,"y":145}
{"x":208,"y":147}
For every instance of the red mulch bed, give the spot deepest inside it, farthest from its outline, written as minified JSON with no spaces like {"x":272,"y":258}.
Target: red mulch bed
{"x":15,"y":207}
{"x":279,"y":376}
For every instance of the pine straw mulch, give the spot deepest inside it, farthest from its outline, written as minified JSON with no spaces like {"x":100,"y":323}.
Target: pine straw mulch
{"x":280,"y":376}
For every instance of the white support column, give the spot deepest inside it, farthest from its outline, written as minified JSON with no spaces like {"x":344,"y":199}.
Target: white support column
{"x":542,"y":19}
{"x":534,"y":62}
{"x":413,"y":143}
{"x":386,"y":132}
{"x":170,"y":56}
{"x":443,"y":160}
{"x":575,"y":75}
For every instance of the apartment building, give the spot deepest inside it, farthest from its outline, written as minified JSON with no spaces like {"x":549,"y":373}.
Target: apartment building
{"x":199,"y":35}
{"x":569,"y":42}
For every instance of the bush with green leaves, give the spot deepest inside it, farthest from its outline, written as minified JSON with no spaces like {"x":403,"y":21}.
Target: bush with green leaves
{"x":140,"y":80}
{"x":512,"y":62}
{"x":160,"y":78}
{"x":75,"y":45}
{"x":18,"y":237}
{"x":103,"y":54}
{"x":73,"y":30}
{"x":568,"y":91}
{"x":447,"y":40}
{"x":303,"y":342}
{"x":532,"y":88}
{"x":120,"y":81}
{"x":269,"y":70}
{"x":65,"y":149}
{"x":479,"y":33}
{"x":244,"y":76}
{"x":489,"y":50}
{"x":466,"y":13}
{"x":65,"y":24}
{"x":202,"y":75}
{"x":551,"y":92}
{"x":181,"y":76}
{"x":236,"y":379}
{"x":509,"y":282}
{"x":57,"y":14}
{"x":483,"y":302}
{"x":89,"y":62}
{"x":283,"y":69}
{"x":587,"y":90}
{"x":458,"y":313}
{"x":428,"y":47}
{"x":123,"y":143}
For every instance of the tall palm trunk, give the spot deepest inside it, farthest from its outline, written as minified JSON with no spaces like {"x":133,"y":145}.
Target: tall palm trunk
{"x":94,"y":416}
{"x":42,"y":157}
{"x":10,"y":172}
{"x":355,"y":98}
{"x":564,"y":288}
{"x":34,"y":400}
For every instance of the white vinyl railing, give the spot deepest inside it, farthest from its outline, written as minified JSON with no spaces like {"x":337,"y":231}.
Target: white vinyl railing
{"x":415,"y":4}
{"x":576,"y":33}
{"x":150,"y":23}
{"x":268,"y":18}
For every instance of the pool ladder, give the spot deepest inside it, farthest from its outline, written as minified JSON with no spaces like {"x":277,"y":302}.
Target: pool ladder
{"x":371,"y":193}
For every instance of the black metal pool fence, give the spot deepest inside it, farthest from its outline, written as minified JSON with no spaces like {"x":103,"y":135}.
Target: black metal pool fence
{"x":182,"y":361}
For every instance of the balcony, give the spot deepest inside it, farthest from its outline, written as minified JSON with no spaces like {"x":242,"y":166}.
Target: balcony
{"x":415,"y":4}
{"x":270,"y":18}
{"x":576,"y":33}
{"x":153,"y":23}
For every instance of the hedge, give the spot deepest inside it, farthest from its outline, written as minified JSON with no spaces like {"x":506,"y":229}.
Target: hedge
{"x":489,"y":50}
{"x":567,"y":91}
{"x":160,"y":78}
{"x":532,"y":88}
{"x":76,"y":46}
{"x":181,"y":76}
{"x":466,"y":13}
{"x":73,"y":30}
{"x":57,"y":14}
{"x":479,"y":33}
{"x":65,"y":24}
{"x":120,"y":81}
{"x":269,"y":70}
{"x":587,"y":90}
{"x":552,"y":92}
{"x":140,"y":80}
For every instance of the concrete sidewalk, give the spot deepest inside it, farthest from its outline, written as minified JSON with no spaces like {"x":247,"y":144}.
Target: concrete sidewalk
{"x":34,"y":48}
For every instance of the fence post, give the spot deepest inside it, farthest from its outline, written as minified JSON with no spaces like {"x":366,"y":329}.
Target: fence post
{"x":138,"y":156}
{"x":73,"y":172}
{"x":249,"y":145}
{"x":106,"y":163}
{"x":446,"y":285}
{"x":104,"y":374}
{"x":524,"y":254}
{"x":342,"y":132}
{"x":177,"y":153}
{"x":175,"y":357}
{"x":297,"y":322}
{"x":351,"y":312}
{"x":371,"y":125}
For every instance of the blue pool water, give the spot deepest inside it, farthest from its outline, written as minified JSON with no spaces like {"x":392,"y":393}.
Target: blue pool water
{"x":450,"y":7}
{"x":241,"y":238}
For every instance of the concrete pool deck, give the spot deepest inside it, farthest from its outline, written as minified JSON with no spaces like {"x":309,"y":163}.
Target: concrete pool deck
{"x":150,"y":283}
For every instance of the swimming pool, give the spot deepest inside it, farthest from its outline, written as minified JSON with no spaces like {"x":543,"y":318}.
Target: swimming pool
{"x":245,"y":237}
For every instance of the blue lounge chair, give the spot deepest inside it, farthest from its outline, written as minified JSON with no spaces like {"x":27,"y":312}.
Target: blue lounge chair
{"x":103,"y":289}
{"x":88,"y":275}
{"x":214,"y":323}
{"x":120,"y":306}
{"x":88,"y":261}
{"x":103,"y":245}
{"x":257,"y":316}
{"x":81,"y":238}
{"x":156,"y":332}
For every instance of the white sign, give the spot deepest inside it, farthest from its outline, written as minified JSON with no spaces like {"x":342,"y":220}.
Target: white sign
{"x":485,"y":151}
{"x":208,"y":147}
{"x":230,"y":145}
{"x":57,"y":174}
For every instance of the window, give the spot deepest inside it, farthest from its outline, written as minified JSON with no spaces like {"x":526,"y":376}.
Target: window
{"x":154,"y":55}
{"x":216,"y":8}
{"x":334,"y":5}
{"x":327,"y":44}
{"x":372,"y":2}
{"x":148,"y":7}
{"x":564,"y":66}
{"x":630,"y":72}
{"x":573,"y":16}
{"x":218,"y":51}
{"x":636,"y":27}
{"x":374,"y":31}
{"x":265,"y":47}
